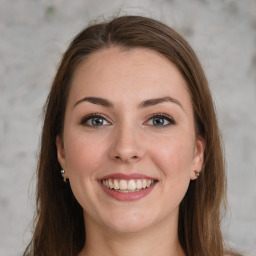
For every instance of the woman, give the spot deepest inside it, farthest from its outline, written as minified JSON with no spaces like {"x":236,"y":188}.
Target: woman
{"x":131,"y":159}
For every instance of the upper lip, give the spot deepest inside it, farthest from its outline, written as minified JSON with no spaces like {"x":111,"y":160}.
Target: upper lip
{"x":127,"y":176}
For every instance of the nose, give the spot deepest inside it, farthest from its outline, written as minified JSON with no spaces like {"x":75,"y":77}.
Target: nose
{"x":127,"y":145}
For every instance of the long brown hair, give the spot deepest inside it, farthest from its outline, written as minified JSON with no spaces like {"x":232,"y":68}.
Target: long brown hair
{"x":59,"y":224}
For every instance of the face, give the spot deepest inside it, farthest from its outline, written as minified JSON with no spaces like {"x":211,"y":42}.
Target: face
{"x":129,"y":147}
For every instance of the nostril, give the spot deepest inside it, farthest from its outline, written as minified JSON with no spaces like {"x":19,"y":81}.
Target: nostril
{"x":126,"y":157}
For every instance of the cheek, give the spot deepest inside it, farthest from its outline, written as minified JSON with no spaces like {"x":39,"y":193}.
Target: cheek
{"x":173,"y":159}
{"x":173,"y":156}
{"x":84,"y":158}
{"x":83,"y":154}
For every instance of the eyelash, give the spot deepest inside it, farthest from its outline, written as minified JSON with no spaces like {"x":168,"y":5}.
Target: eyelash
{"x":155,"y":115}
{"x":94,"y":115}
{"x":163,"y":116}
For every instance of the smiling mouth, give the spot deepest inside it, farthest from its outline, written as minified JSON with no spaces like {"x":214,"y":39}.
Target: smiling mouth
{"x":128,"y":186}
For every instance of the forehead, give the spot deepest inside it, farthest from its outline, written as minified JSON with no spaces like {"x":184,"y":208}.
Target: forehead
{"x":133,"y":74}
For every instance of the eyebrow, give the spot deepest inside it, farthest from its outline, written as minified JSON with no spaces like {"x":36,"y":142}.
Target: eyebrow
{"x":95,"y":100}
{"x":152,"y":102}
{"x":144,"y":104}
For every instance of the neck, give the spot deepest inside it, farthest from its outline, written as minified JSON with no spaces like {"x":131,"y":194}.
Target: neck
{"x":161,"y":240}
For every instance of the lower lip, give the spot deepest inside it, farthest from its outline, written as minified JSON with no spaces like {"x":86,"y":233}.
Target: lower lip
{"x":129,"y":196}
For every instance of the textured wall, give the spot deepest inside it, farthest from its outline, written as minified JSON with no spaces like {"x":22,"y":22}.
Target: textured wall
{"x":34,"y":34}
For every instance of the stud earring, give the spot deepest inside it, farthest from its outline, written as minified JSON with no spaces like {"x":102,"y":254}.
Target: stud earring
{"x":197,"y":173}
{"x":64,"y":178}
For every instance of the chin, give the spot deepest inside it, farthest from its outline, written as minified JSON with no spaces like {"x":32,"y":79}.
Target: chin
{"x":128,"y":223}
{"x":133,"y":227}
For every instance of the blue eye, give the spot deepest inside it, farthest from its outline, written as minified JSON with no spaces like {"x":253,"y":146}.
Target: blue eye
{"x":94,"y":120}
{"x":161,"y":120}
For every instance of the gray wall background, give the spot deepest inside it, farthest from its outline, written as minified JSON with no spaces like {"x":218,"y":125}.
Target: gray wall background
{"x":34,"y":34}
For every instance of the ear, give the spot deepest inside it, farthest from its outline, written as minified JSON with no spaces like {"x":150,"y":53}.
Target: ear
{"x":61,"y":155}
{"x":198,"y":158}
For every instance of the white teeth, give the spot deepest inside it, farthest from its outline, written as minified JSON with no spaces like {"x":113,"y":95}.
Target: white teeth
{"x":110,"y":184}
{"x":123,"y":185}
{"x":144,"y":183}
{"x":116,"y":184}
{"x":132,"y":185}
{"x":127,"y":185}
{"x":139,"y":184}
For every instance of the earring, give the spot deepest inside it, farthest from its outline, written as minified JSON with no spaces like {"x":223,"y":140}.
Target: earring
{"x":64,"y":178}
{"x":197,"y":173}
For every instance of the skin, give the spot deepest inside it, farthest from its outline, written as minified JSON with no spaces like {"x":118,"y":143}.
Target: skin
{"x":129,"y":141}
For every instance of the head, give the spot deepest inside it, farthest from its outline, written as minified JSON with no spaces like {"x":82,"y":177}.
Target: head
{"x":199,"y":210}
